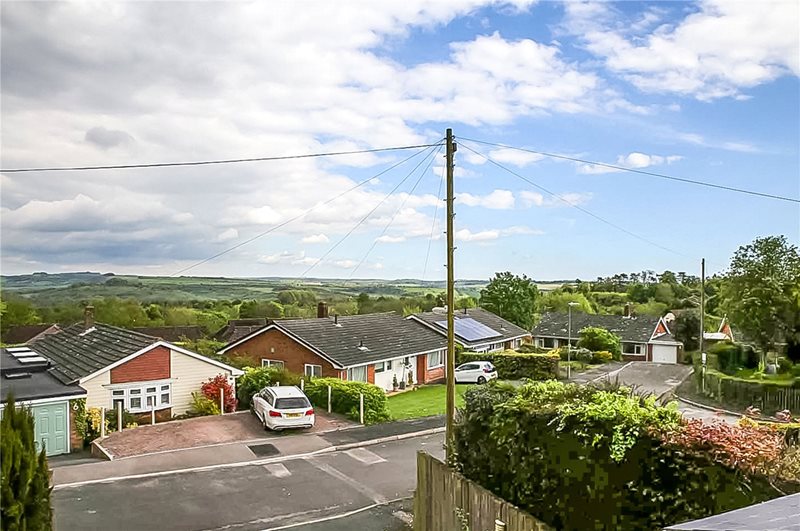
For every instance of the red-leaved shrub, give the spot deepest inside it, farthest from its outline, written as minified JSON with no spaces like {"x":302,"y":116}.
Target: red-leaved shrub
{"x":211,"y":389}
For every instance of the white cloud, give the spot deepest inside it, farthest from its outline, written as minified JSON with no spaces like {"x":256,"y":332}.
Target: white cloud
{"x":530,"y":199}
{"x":515,"y":156}
{"x":315,"y":238}
{"x":390,"y":239}
{"x":466,"y":235}
{"x":718,"y":51}
{"x":344,"y":264}
{"x":496,"y":200}
{"x":288,"y":257}
{"x":227,"y":235}
{"x":634,"y":160}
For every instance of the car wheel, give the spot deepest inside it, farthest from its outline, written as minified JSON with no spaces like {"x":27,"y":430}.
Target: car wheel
{"x":481,"y":380}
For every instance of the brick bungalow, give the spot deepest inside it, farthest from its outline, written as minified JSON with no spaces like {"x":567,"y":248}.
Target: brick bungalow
{"x":643,"y":338}
{"x":374,"y":348}
{"x":476,"y":329}
{"x":118,"y":366}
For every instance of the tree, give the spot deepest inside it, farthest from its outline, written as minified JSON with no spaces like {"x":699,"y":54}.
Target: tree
{"x":597,"y":339}
{"x":687,"y":329}
{"x":18,"y":312}
{"x":511,"y":297}
{"x":760,"y":292}
{"x":25,"y":484}
{"x":558,"y":301}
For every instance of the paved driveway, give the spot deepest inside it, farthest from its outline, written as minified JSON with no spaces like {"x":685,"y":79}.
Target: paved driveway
{"x":656,"y":378}
{"x":201,"y":431}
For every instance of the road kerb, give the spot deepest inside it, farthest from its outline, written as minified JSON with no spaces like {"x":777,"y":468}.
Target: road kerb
{"x":255,"y":462}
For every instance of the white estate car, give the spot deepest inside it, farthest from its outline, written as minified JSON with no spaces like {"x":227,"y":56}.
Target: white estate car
{"x":475,"y":372}
{"x":283,"y":407}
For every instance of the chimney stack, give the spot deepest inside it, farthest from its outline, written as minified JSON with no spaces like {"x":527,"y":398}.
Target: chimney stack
{"x":88,"y":317}
{"x":322,"y":309}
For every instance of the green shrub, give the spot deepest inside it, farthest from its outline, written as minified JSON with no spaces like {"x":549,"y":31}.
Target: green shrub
{"x":741,"y":393}
{"x":602,"y":356}
{"x":730,"y":357}
{"x":550,"y":448}
{"x":796,"y":370}
{"x":345,"y":398}
{"x":512,"y":365}
{"x":530,"y":348}
{"x":255,"y":379}
{"x":25,"y":483}
{"x":785,"y":365}
{"x":202,"y":406}
{"x":596,"y":339}
{"x":128,"y":420}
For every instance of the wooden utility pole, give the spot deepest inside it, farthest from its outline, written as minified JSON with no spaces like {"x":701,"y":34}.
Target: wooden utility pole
{"x":702,"y":303}
{"x":451,"y":351}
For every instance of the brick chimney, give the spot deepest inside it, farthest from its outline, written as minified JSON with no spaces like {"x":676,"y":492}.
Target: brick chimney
{"x":322,"y":310}
{"x":88,"y":317}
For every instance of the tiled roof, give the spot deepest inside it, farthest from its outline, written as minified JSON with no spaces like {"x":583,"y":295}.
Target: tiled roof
{"x":382,"y":336}
{"x":506,"y":329}
{"x":173,"y":334}
{"x":77,"y":352}
{"x":638,"y":329}
{"x":236,"y":329}
{"x":17,"y":335}
{"x":31,"y":382}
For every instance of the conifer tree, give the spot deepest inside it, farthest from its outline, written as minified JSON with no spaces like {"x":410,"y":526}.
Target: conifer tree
{"x":25,"y":483}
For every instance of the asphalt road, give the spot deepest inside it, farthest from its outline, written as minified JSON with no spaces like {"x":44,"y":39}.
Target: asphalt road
{"x":353,"y":489}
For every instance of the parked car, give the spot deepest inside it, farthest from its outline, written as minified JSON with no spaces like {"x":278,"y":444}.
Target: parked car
{"x":283,"y":407}
{"x":475,"y":372}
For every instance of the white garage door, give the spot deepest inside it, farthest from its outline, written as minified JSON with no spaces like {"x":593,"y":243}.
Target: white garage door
{"x":665,"y":354}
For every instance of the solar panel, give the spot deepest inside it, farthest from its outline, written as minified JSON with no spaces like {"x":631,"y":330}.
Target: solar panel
{"x":469,"y":329}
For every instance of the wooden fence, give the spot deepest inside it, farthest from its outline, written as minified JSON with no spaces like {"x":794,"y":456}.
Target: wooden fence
{"x":447,"y":501}
{"x":780,"y":399}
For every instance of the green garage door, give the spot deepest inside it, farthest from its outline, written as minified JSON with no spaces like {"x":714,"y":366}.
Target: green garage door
{"x":52,"y":427}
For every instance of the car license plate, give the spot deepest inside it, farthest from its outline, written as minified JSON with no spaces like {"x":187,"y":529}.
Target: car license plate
{"x":293,"y":415}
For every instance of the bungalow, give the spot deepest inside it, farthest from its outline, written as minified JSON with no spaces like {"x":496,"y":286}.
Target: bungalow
{"x":374,"y":348}
{"x":476,"y":329}
{"x":724,"y":333}
{"x":118,"y":366}
{"x":643,"y":338}
{"x":29,"y":378}
{"x":21,"y":334}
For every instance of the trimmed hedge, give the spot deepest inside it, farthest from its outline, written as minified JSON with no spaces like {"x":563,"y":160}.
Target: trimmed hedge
{"x":512,"y":365}
{"x":731,"y":357}
{"x":742,"y":393}
{"x":256,"y":379}
{"x":580,"y":458}
{"x":345,"y":398}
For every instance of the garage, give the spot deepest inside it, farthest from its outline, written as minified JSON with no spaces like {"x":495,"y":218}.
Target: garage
{"x":27,"y":376}
{"x":51,"y":427}
{"x":665,"y":353}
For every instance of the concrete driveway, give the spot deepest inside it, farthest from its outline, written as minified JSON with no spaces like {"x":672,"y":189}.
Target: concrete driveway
{"x":202,"y":431}
{"x":656,"y":378}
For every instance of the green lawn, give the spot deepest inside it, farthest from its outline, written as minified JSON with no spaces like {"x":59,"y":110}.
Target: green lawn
{"x":425,"y":401}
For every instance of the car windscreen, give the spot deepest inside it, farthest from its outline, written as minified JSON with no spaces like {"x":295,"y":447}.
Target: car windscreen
{"x":291,"y":403}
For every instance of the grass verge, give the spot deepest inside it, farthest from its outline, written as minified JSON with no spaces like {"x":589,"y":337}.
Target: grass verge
{"x":423,"y":402}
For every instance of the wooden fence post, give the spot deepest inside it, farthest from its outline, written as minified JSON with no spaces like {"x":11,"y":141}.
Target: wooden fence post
{"x":329,"y":398}
{"x":102,"y":421}
{"x":221,"y":401}
{"x":153,"y":412}
{"x":302,"y":384}
{"x":119,"y":416}
{"x":361,"y":407}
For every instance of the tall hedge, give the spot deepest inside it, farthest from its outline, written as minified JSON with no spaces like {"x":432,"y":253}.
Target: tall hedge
{"x":255,"y":379}
{"x":345,"y":398}
{"x":512,"y":365}
{"x":579,"y":458}
{"x":25,"y":484}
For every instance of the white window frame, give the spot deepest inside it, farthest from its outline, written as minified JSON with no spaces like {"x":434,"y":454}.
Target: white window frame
{"x":429,"y":357}
{"x":360,"y":367}
{"x":638,"y":350}
{"x":312,"y":366}
{"x":139,"y":391}
{"x":272,"y":363}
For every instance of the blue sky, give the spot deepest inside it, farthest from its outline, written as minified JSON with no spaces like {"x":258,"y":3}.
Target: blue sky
{"x":705,"y":91}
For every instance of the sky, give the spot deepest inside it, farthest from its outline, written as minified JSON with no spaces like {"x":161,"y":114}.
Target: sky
{"x":705,"y":91}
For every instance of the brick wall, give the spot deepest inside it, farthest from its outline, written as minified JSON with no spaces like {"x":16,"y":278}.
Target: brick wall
{"x":152,"y":365}
{"x":425,"y":375}
{"x":275,"y":345}
{"x":162,"y":415}
{"x":75,"y":440}
{"x":371,"y":373}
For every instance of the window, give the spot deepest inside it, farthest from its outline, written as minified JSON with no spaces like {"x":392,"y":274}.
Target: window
{"x":632,"y":348}
{"x":389,"y":365}
{"x":435,"y":360}
{"x":271,"y":363}
{"x":142,"y":398}
{"x":295,"y":402}
{"x":547,"y":342}
{"x":357,"y":374}
{"x":380,"y":367}
{"x":313,"y":371}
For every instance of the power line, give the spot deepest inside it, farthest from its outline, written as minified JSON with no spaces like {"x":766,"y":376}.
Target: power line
{"x":367,"y":215}
{"x":280,"y":225}
{"x":210,"y":162}
{"x":573,"y":205}
{"x":433,"y":223}
{"x":396,"y":212}
{"x":641,"y":172}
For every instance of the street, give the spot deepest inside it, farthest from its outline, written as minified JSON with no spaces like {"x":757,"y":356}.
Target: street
{"x":315,"y":491}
